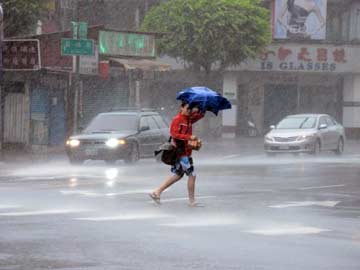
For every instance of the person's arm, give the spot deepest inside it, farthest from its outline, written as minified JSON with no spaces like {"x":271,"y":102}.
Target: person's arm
{"x":174,"y":131}
{"x":321,"y":19}
{"x":282,"y":17}
{"x":196,"y":116}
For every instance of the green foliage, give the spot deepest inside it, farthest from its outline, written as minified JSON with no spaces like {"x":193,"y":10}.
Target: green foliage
{"x":205,"y":32}
{"x":20,"y":16}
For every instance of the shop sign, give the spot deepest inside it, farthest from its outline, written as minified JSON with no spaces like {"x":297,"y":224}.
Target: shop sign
{"x":306,"y":58}
{"x":126,"y":44}
{"x":21,"y":54}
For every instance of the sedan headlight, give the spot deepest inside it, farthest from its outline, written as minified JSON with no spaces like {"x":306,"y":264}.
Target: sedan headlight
{"x":269,"y":138}
{"x":73,"y":143}
{"x":113,"y":143}
{"x":305,"y":137}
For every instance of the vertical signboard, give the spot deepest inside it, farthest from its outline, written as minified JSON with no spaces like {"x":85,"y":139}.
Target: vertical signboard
{"x":299,"y":19}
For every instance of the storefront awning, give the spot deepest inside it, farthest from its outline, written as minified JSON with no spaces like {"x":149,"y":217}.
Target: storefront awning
{"x":141,"y":64}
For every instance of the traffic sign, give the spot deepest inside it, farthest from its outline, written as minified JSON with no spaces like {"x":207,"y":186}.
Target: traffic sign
{"x":71,"y":47}
{"x":79,"y":30}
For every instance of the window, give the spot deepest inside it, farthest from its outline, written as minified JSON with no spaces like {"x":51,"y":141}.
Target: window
{"x":143,"y":122}
{"x":322,"y":121}
{"x":160,"y":121}
{"x":329,"y":122}
{"x":152,"y":123}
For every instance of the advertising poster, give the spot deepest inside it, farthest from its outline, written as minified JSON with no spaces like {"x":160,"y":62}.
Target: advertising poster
{"x":299,"y":19}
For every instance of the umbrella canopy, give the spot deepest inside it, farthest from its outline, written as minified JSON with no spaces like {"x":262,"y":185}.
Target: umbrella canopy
{"x":204,"y":98}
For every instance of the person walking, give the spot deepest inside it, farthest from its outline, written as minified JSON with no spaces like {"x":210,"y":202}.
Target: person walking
{"x":181,"y":133}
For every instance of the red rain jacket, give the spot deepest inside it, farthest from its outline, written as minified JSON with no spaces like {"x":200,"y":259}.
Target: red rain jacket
{"x":181,"y":131}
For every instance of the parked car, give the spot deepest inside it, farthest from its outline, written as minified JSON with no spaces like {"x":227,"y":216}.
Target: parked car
{"x":305,"y":133}
{"x":127,"y":135}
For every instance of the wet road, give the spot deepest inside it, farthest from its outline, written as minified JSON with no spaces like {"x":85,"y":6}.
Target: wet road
{"x":256,"y":213}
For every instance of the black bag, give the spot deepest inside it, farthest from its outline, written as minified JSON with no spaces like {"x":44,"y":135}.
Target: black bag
{"x":168,"y":153}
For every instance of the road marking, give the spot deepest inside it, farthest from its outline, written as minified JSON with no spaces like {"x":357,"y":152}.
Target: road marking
{"x":126,"y":217}
{"x":110,"y":194}
{"x":42,"y":212}
{"x":186,"y":198}
{"x":288,"y":230}
{"x":321,"y":187}
{"x":307,"y":203}
{"x":6,"y":206}
{"x":203,"y":221}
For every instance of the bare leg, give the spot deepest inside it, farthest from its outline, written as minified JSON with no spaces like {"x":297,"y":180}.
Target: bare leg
{"x":191,"y":189}
{"x":167,"y":183}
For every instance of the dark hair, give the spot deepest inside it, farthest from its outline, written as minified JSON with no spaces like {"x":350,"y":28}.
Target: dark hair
{"x":183,"y":103}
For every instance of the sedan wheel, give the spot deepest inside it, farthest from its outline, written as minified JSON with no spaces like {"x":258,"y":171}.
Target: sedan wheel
{"x":316,"y":149}
{"x":134,"y":155}
{"x":340,"y":147}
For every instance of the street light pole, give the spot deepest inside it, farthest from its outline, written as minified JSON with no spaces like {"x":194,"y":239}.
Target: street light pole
{"x":1,"y":70}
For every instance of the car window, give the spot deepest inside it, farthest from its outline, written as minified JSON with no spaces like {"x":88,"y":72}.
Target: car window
{"x":112,"y":122}
{"x":160,"y":121}
{"x":301,"y":122}
{"x":322,"y":121}
{"x":144,"y":122}
{"x":329,"y":122}
{"x":152,"y":123}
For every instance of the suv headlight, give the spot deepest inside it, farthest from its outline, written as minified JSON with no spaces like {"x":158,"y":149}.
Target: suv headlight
{"x":73,"y":143}
{"x":113,"y":143}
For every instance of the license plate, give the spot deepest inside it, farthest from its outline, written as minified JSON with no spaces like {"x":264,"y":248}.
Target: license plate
{"x":91,"y":152}
{"x":284,"y":147}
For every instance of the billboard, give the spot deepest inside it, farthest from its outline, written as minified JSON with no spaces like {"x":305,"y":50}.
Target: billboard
{"x":299,"y":19}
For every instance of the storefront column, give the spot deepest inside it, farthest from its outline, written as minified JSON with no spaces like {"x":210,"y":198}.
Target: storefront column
{"x":229,"y":117}
{"x":351,"y":107}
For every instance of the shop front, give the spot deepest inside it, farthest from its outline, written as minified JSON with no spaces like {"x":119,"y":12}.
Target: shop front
{"x":294,"y":78}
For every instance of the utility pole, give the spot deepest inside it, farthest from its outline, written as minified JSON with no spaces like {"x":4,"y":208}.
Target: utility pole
{"x":1,"y":71}
{"x":76,"y":77}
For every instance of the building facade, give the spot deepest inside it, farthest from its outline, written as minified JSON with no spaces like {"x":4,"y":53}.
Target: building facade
{"x":311,"y":74}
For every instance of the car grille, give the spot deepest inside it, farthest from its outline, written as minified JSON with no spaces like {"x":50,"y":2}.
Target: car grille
{"x":285,"y":139}
{"x":91,"y":142}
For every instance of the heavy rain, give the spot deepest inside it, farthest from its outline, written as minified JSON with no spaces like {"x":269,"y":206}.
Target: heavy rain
{"x":179,"y":134}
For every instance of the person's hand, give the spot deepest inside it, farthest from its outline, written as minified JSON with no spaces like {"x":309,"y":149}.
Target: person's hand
{"x":193,"y":137}
{"x":195,"y":110}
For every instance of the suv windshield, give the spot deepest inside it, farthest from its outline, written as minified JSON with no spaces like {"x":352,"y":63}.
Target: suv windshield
{"x":112,"y":122}
{"x":297,"y":123}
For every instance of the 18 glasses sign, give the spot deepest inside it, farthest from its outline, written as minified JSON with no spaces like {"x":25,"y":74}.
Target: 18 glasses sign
{"x":306,"y":58}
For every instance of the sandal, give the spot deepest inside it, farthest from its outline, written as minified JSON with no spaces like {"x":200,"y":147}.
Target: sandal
{"x":155,"y":198}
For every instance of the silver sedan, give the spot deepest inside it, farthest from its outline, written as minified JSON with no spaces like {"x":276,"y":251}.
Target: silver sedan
{"x":305,"y":133}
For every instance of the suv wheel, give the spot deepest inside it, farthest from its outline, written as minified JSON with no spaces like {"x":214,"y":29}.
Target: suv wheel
{"x":133,"y":155}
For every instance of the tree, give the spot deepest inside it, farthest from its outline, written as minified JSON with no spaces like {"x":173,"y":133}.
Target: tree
{"x":208,"y":32}
{"x":20,"y":16}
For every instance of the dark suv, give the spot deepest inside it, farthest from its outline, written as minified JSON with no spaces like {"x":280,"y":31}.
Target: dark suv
{"x":128,"y":135}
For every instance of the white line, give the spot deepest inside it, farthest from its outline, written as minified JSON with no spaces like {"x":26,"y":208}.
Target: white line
{"x":307,"y":203}
{"x":186,"y":198}
{"x":5,"y":206}
{"x":333,"y":186}
{"x":288,"y":231}
{"x":126,"y":217}
{"x":41,"y":212}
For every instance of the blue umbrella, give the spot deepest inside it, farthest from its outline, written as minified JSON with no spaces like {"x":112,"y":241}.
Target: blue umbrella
{"x":204,"y":98}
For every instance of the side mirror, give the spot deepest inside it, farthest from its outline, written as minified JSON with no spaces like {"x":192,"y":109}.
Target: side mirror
{"x":323,"y":126}
{"x":272,"y":127}
{"x":144,"y":128}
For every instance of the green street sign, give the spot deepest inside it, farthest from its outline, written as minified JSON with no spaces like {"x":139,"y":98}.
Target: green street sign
{"x":83,"y":30}
{"x":71,"y":47}
{"x":79,"y":30}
